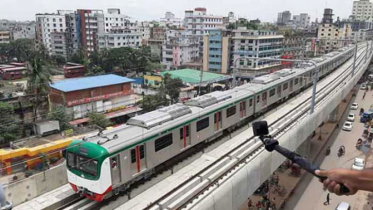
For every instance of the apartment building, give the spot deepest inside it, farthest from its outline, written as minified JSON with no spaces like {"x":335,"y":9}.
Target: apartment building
{"x":59,"y":44}
{"x":115,"y":20}
{"x":120,"y":38}
{"x":198,"y":22}
{"x":362,"y":10}
{"x":170,"y":20}
{"x":90,"y":23}
{"x":283,"y":18}
{"x":156,"y":40}
{"x":256,"y":44}
{"x":333,"y":36}
{"x":217,"y":51}
{"x":5,"y":37}
{"x":302,"y":20}
{"x":20,"y":30}
{"x":49,"y":23}
{"x":181,"y":47}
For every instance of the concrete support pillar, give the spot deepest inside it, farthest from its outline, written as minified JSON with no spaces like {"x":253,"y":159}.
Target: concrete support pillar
{"x":333,"y":117}
{"x":304,"y":149}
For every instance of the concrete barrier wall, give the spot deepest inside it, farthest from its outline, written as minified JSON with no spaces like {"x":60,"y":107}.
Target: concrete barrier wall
{"x":36,"y":185}
{"x":235,"y":191}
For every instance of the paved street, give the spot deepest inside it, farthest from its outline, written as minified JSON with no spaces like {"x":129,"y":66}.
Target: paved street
{"x":309,"y":195}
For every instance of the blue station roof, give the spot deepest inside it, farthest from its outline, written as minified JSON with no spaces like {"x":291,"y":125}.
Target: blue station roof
{"x":89,"y":82}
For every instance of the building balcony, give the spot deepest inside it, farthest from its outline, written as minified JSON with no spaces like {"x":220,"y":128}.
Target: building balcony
{"x":214,"y":66}
{"x":214,"y":59}
{"x":215,"y":46}
{"x":244,"y":52}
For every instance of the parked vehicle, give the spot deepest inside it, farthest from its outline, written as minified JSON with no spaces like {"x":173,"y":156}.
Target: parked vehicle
{"x":354,"y":106}
{"x":347,"y":126}
{"x":358,"y":164}
{"x":366,"y":117}
{"x":351,"y":117}
{"x":343,"y":206}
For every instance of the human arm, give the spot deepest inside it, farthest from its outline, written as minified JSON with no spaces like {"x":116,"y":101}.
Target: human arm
{"x":353,"y":180}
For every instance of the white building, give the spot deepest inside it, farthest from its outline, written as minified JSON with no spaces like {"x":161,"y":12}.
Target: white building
{"x":170,"y":21}
{"x":120,"y":38}
{"x":360,"y":35}
{"x":198,"y":22}
{"x":91,"y":23}
{"x":115,"y":20}
{"x":5,"y":37}
{"x":329,"y":34}
{"x":256,"y":43}
{"x":181,"y":47}
{"x":48,"y":23}
{"x":302,"y":20}
{"x":362,"y":10}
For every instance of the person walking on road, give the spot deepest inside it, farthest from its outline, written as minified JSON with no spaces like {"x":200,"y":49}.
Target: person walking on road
{"x":327,"y":199}
{"x":364,"y":95}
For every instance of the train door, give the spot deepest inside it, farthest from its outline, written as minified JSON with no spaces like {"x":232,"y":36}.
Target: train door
{"x":138,"y":159}
{"x":218,"y":121}
{"x":291,"y":86}
{"x":301,"y":81}
{"x":115,"y":170}
{"x":279,"y":88}
{"x":264,"y":99}
{"x":243,"y":109}
{"x":185,"y":136}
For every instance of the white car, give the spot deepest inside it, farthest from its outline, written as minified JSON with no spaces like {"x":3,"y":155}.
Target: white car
{"x":343,"y":206}
{"x":347,"y":126}
{"x":359,"y":164}
{"x":363,"y":87}
{"x":354,"y":106}
{"x":351,"y":117}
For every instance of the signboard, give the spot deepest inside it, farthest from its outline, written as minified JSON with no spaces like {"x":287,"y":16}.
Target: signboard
{"x":98,"y":98}
{"x":116,"y":109}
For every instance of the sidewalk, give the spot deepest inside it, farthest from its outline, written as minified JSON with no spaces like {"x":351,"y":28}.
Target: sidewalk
{"x":316,"y":147}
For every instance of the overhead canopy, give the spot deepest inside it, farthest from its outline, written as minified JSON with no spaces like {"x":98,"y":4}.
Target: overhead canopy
{"x":193,"y":77}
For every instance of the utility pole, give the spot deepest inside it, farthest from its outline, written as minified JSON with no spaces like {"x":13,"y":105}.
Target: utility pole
{"x":315,"y":75}
{"x":200,"y":82}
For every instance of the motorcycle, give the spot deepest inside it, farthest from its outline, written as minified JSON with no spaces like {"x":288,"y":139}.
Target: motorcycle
{"x":341,"y":153}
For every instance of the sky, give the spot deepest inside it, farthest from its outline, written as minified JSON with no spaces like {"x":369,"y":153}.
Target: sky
{"x":265,"y":10}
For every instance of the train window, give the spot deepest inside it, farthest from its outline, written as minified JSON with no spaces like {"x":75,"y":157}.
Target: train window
{"x":286,"y":86}
{"x":251,"y":102}
{"x":87,"y":165}
{"x":296,"y":81}
{"x":163,"y":142}
{"x":114,"y":163}
{"x":219,"y":115}
{"x":70,"y":160}
{"x":279,"y":89}
{"x":257,"y":99}
{"x":203,"y":124}
{"x":182,"y":132}
{"x":142,"y":152}
{"x":272,"y":92}
{"x":133,"y":155}
{"x":231,"y":111}
{"x":264,"y":96}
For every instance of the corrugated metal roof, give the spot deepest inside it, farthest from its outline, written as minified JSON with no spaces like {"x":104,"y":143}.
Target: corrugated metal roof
{"x":194,"y":76}
{"x":89,"y":82}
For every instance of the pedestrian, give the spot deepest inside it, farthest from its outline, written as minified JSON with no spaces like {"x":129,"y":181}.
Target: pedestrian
{"x":249,"y":204}
{"x":327,"y":199}
{"x":364,"y":95}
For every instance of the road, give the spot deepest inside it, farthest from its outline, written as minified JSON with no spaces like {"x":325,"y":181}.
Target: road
{"x":310,"y":195}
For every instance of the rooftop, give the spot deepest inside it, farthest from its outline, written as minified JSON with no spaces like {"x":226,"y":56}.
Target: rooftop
{"x":75,"y":84}
{"x":194,"y":76}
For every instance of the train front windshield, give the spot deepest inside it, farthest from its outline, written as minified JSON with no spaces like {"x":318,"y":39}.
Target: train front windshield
{"x":83,"y":164}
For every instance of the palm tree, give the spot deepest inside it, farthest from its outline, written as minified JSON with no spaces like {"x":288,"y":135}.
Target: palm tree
{"x":39,"y":79}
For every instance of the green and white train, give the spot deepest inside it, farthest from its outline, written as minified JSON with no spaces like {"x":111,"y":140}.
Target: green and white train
{"x":112,"y":160}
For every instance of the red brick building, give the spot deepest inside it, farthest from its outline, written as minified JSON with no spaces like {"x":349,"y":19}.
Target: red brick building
{"x":109,"y":94}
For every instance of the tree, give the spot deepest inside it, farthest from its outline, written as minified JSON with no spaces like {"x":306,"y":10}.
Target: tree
{"x":8,"y":126}
{"x":99,"y":120}
{"x":38,"y":82}
{"x":152,"y":102}
{"x":61,"y":116}
{"x":58,"y":59}
{"x":172,"y":87}
{"x":94,"y":71}
{"x":21,"y":49}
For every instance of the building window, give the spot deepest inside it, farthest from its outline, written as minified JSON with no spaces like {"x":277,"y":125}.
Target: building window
{"x":163,"y":142}
{"x":231,"y":111}
{"x":203,"y":124}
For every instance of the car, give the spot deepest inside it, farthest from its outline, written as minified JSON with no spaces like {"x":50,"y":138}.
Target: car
{"x":347,"y":126}
{"x":343,"y":206}
{"x":351,"y":117}
{"x":359,"y":164}
{"x":354,"y":106}
{"x":363,"y":87}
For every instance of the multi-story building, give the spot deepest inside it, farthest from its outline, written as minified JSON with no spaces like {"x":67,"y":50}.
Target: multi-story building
{"x":5,"y":37}
{"x":90,"y":23}
{"x":217,"y":51}
{"x":362,"y":10}
{"x":108,"y":94}
{"x":59,"y":44}
{"x":156,"y":40}
{"x":283,"y":18}
{"x":115,"y":20}
{"x":293,"y":45}
{"x":119,"y":38}
{"x":256,"y":44}
{"x":302,"y":20}
{"x":170,"y":20}
{"x":198,"y":22}
{"x":20,"y":30}
{"x":49,"y":23}
{"x":181,"y":47}
{"x":72,"y":35}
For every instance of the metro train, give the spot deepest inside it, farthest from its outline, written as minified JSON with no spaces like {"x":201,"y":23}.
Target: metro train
{"x":101,"y":165}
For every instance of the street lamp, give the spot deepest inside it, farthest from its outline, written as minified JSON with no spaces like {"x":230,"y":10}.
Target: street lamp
{"x":315,"y":76}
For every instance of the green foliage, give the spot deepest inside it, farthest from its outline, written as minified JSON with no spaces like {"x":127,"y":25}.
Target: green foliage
{"x":8,"y":127}
{"x":20,"y":49}
{"x":152,"y":102}
{"x":58,"y":59}
{"x":172,"y":87}
{"x":60,"y":115}
{"x":99,"y":120}
{"x":94,"y":71}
